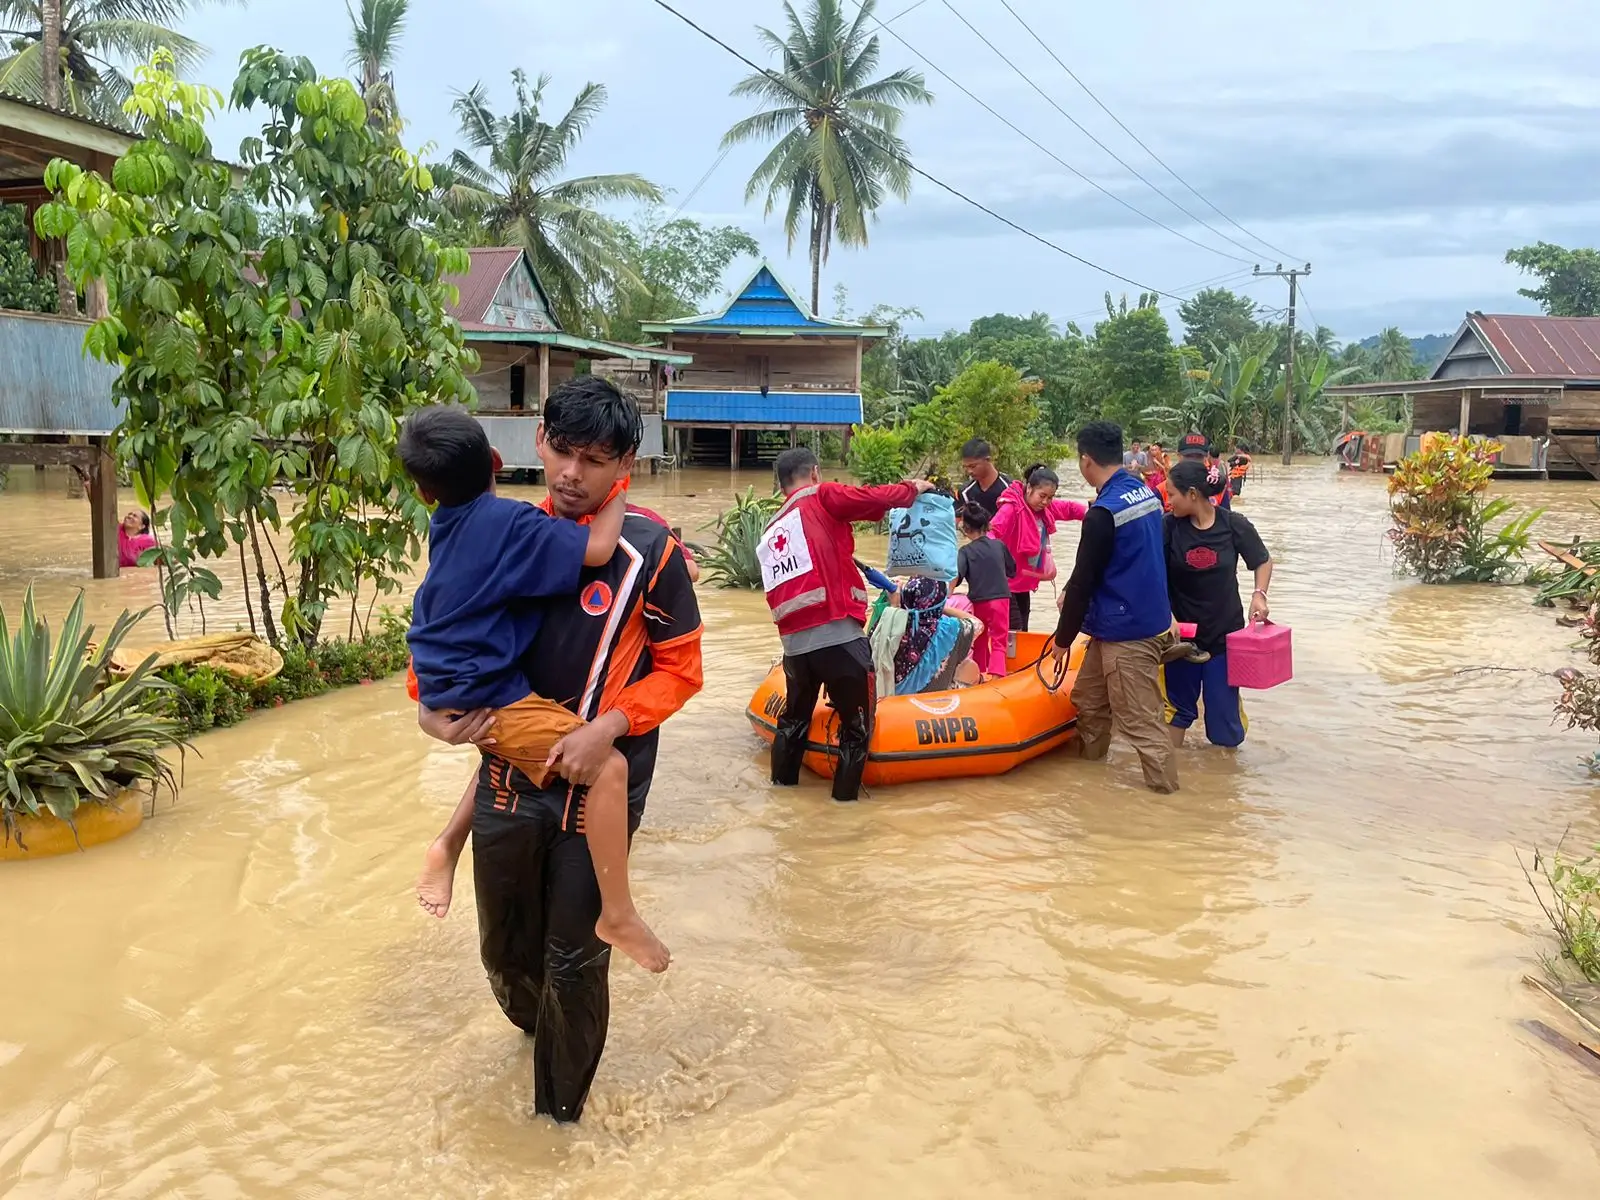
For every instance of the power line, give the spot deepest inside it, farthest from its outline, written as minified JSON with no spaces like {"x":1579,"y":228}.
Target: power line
{"x":916,"y":170}
{"x":1139,"y":141}
{"x":1124,"y":163}
{"x":1043,"y":149}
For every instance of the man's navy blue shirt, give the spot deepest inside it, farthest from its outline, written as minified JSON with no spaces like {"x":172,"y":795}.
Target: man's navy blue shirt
{"x":474,"y":618}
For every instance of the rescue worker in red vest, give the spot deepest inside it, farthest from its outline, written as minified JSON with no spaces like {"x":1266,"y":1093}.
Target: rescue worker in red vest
{"x":819,"y":602}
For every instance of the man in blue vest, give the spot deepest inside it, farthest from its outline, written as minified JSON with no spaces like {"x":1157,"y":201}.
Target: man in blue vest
{"x":1118,"y":596}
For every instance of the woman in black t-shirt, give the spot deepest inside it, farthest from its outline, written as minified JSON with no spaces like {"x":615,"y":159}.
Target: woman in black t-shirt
{"x":1204,"y":546}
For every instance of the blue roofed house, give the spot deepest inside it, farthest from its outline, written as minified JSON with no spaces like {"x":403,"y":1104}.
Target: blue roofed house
{"x":763,"y":364}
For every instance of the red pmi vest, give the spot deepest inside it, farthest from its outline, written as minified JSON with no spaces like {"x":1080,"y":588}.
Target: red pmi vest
{"x":808,"y":566}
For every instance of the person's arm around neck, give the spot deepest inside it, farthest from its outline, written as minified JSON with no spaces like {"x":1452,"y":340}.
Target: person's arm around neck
{"x":605,"y":531}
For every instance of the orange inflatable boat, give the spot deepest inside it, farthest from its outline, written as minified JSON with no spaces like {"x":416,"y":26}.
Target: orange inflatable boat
{"x":982,"y":730}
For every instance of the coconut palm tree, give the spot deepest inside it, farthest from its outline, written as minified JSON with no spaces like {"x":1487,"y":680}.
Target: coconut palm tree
{"x":1393,"y":357}
{"x":92,"y":40}
{"x":515,"y":197}
{"x":374,"y":41}
{"x":838,"y":154}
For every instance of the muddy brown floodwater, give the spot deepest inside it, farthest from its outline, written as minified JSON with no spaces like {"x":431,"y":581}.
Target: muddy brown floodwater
{"x":1298,"y":977}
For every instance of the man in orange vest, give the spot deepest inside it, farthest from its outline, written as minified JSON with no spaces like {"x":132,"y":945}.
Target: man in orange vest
{"x":1198,"y":447}
{"x":819,"y":602}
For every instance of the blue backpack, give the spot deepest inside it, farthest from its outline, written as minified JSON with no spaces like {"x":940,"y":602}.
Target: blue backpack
{"x":922,"y":538}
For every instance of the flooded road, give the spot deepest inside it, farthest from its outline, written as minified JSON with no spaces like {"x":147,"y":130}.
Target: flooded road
{"x":1300,"y":976}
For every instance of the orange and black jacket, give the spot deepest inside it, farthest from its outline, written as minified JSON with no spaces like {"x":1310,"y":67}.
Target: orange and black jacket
{"x":628,"y":641}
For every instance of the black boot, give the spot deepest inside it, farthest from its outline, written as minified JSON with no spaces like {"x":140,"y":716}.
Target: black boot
{"x":789,"y":749}
{"x":853,"y":736}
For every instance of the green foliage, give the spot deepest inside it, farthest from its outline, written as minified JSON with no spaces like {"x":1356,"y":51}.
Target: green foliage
{"x":733,"y":563}
{"x":1569,"y":280}
{"x":836,"y":127}
{"x":22,"y":286}
{"x":70,"y":733}
{"x":1137,"y":366}
{"x":1442,"y":518}
{"x":203,"y":697}
{"x":989,"y":400}
{"x":877,"y":455}
{"x":97,"y":38}
{"x":678,"y":264}
{"x":1216,"y":318}
{"x":296,"y":368}
{"x":1568,"y":890}
{"x":515,"y":197}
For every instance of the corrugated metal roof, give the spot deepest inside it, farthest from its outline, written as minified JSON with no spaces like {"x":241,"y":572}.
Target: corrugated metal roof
{"x":1550,"y":346}
{"x":478,"y":287}
{"x":752,"y":408}
{"x":765,"y":302}
{"x":71,"y":116}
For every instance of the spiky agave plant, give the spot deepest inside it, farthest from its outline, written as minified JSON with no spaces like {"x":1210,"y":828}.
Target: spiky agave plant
{"x":70,"y":732}
{"x":733,"y":563}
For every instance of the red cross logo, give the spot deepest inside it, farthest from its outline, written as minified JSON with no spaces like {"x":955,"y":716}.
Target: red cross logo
{"x":781,"y":542}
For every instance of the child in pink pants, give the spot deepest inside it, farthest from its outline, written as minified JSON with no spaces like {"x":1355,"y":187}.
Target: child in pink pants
{"x":986,"y":567}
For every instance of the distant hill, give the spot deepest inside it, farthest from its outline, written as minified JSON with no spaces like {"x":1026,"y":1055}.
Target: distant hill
{"x":1425,"y":351}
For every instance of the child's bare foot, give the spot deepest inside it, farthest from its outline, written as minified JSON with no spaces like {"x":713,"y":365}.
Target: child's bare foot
{"x":437,"y":880}
{"x":635,"y":939}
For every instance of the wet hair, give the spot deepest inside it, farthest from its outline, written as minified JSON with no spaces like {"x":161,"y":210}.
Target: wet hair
{"x":977,"y":448}
{"x":793,"y":465}
{"x":1191,"y":475}
{"x":975,"y":518}
{"x":1039,"y":475}
{"x":591,"y":413}
{"x":1102,"y":442}
{"x":447,"y":454}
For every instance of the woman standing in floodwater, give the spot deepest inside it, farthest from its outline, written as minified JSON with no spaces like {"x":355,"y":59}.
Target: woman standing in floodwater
{"x":1027,"y":516}
{"x":1204,"y":546}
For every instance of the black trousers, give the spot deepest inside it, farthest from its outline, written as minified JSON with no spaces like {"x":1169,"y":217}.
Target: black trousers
{"x":846,"y":671}
{"x":1021,"y":604}
{"x":538,"y":901}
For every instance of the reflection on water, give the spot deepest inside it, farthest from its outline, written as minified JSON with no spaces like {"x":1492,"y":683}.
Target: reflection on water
{"x":1296,"y":977}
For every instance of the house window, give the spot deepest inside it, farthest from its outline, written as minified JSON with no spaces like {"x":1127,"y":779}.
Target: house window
{"x":519,"y":383}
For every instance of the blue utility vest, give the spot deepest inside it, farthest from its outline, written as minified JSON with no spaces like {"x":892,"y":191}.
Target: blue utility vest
{"x":1131,"y":602}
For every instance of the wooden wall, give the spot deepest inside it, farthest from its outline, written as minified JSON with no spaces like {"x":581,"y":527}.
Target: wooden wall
{"x":493,"y":380}
{"x":748,"y":363}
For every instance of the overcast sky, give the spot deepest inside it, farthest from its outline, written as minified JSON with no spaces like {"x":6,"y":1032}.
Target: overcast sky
{"x":1400,"y":146}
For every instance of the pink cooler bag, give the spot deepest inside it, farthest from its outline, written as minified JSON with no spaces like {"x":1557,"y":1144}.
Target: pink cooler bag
{"x":1260,"y":656}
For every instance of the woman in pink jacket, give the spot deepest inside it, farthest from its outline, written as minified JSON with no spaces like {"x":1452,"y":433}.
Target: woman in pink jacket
{"x":1026,"y":517}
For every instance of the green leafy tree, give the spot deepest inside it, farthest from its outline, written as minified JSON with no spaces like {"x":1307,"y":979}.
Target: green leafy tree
{"x":1138,"y":367}
{"x":678,"y":263}
{"x":838,"y":155}
{"x":21,"y":284}
{"x":96,"y":39}
{"x":1569,"y":280}
{"x":295,"y":368}
{"x":1215,"y":318}
{"x":515,"y":197}
{"x":1314,"y":415}
{"x":877,"y":455}
{"x":989,"y":400}
{"x":375,"y":33}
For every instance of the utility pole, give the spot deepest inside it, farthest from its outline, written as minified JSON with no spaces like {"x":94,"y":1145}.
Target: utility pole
{"x":1293,"y":276}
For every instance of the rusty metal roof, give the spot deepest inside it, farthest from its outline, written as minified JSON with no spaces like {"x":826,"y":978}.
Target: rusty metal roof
{"x":1567,"y":347}
{"x":478,"y":287}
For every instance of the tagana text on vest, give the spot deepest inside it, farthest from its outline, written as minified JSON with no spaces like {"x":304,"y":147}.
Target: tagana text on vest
{"x":1131,"y":602}
{"x":807,"y":568}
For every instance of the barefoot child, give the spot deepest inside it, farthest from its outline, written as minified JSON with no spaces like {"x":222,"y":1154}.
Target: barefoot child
{"x":986,"y":566}
{"x":490,"y":560}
